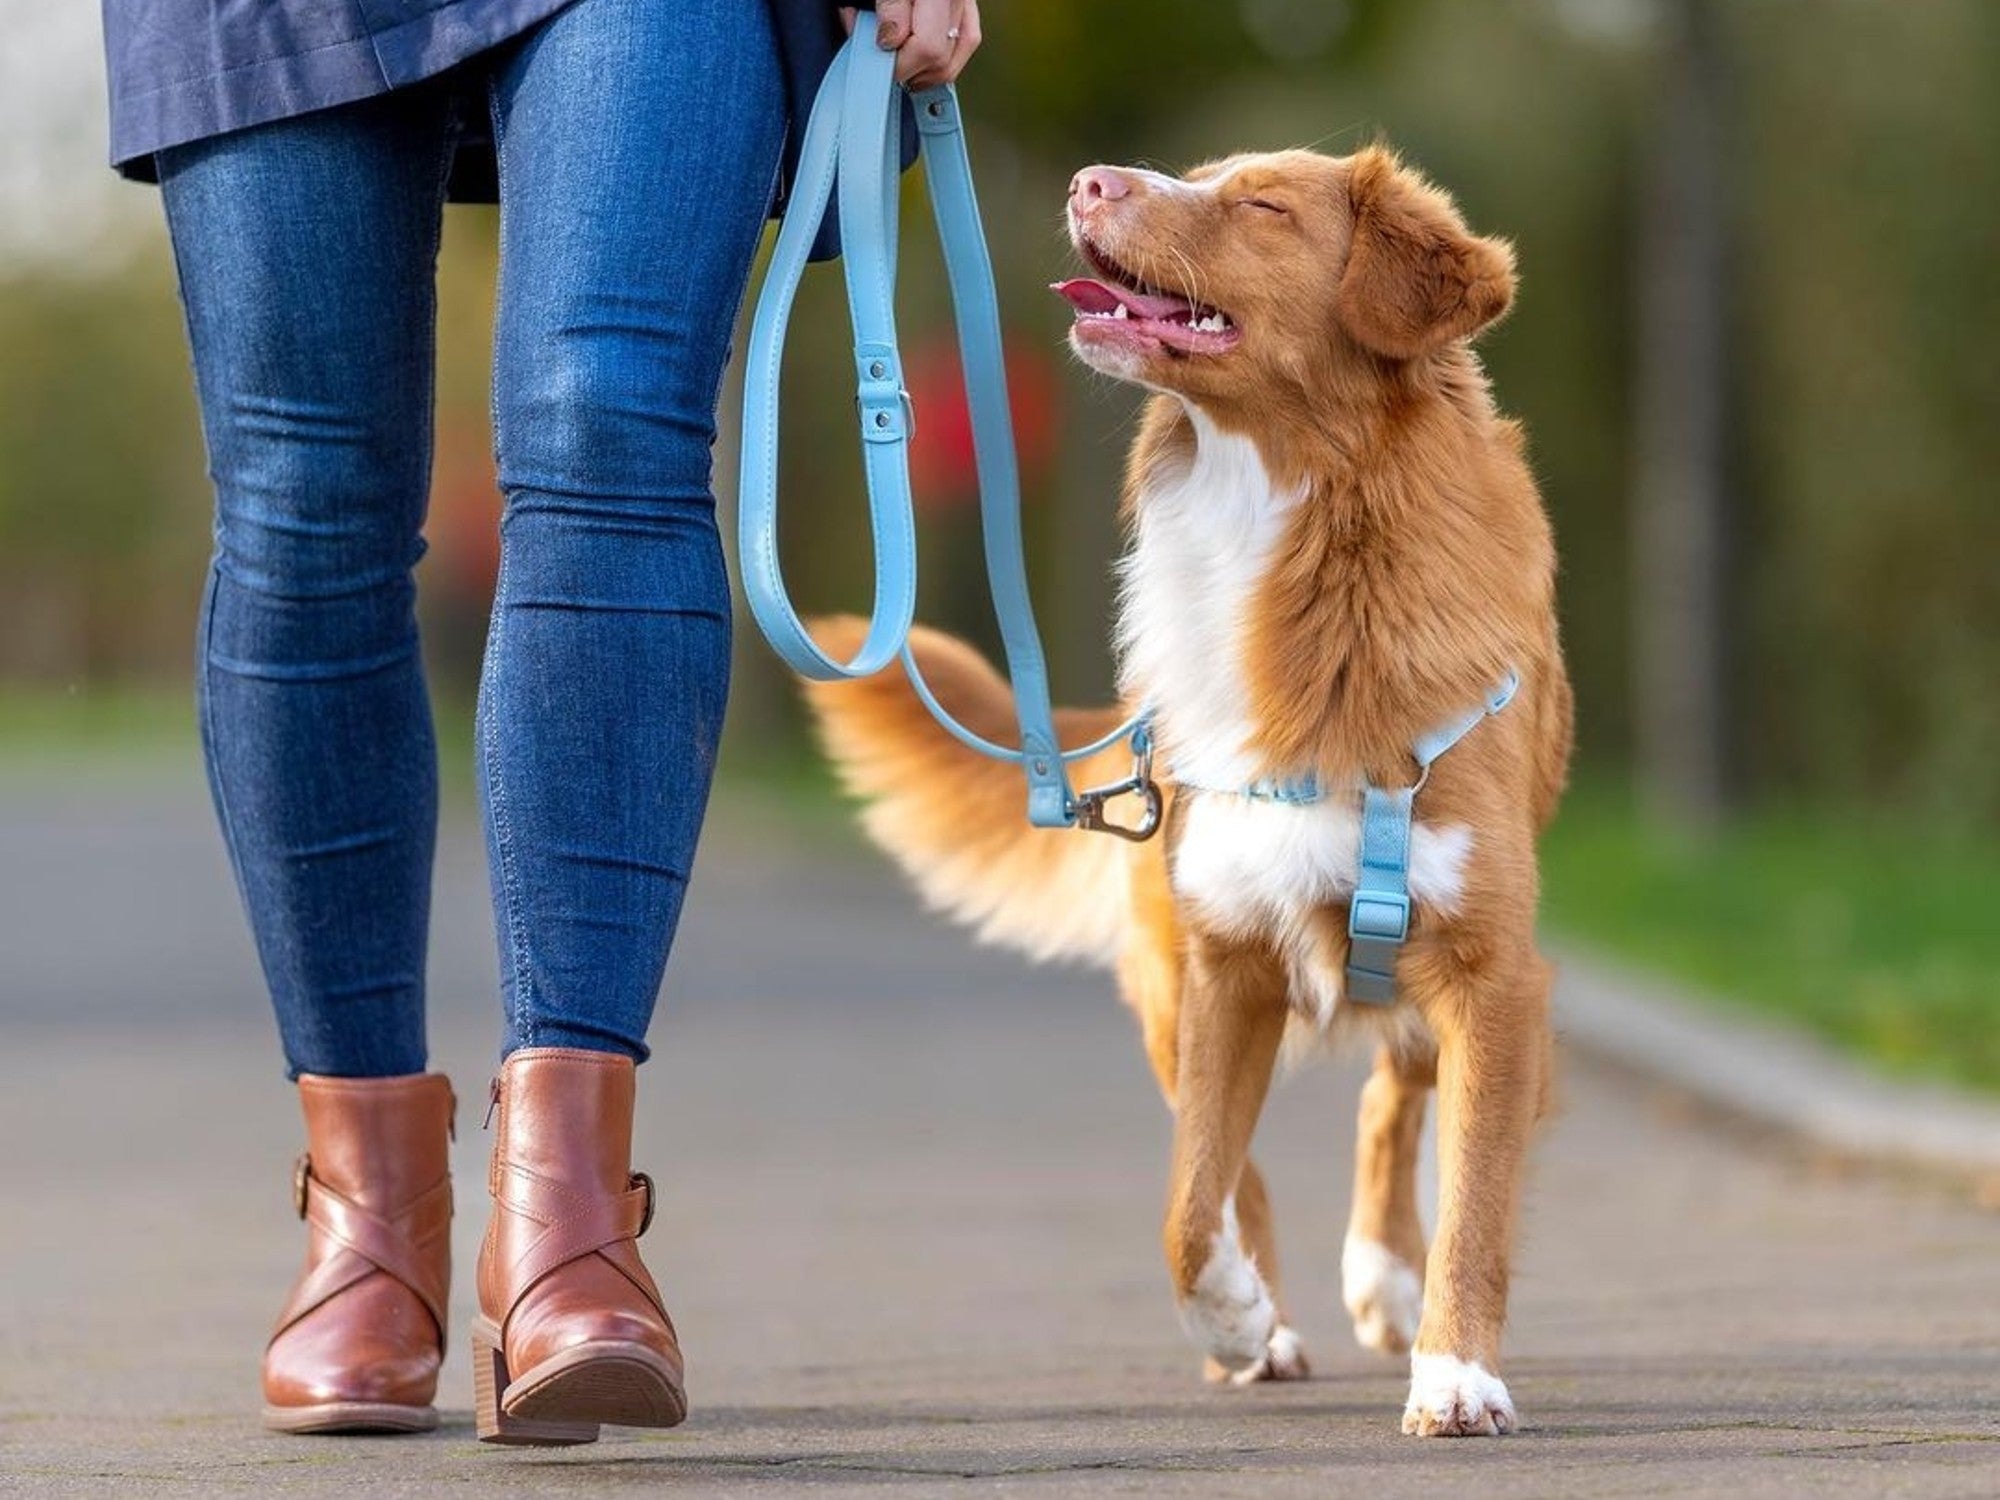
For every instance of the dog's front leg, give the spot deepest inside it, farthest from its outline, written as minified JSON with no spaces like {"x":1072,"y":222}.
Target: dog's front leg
{"x":1493,"y":1059}
{"x":1232,"y":1021}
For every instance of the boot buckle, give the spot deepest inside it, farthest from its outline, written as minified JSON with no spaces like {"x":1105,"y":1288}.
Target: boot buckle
{"x":640,"y":1179}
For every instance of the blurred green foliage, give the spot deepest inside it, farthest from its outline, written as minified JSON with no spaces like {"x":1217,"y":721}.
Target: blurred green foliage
{"x":1864,"y":170}
{"x":1846,"y":926}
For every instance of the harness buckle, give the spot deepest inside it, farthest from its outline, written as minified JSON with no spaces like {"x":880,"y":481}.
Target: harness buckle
{"x":1382,"y":915}
{"x":1090,"y":805}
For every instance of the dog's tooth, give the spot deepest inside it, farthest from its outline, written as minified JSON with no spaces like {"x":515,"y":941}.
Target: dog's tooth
{"x":1121,"y":311}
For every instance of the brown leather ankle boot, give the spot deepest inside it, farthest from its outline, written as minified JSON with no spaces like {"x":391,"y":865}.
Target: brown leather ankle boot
{"x":358,"y":1345}
{"x":571,"y":1330}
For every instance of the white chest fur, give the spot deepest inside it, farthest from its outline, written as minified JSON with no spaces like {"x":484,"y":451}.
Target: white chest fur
{"x":1204,"y":541}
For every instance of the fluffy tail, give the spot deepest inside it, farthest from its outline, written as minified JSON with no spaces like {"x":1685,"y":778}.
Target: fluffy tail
{"x":957,"y":821}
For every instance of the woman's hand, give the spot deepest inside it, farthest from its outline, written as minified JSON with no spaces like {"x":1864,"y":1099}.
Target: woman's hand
{"x":932,"y":39}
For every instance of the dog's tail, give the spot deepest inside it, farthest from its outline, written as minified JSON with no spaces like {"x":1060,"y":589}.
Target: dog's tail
{"x":956,"y":821}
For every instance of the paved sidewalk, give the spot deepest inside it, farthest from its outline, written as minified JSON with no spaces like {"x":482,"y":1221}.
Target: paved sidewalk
{"x":909,"y":1229}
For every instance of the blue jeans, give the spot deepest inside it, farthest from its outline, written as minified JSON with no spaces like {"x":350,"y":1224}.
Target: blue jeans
{"x":638,"y":142}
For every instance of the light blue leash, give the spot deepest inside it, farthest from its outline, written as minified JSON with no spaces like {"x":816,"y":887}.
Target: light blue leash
{"x":853,"y":137}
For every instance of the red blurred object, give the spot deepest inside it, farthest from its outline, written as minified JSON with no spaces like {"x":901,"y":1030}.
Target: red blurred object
{"x":464,"y":523}
{"x":941,"y":466}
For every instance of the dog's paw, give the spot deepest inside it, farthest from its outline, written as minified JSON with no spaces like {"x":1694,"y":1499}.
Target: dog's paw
{"x":1284,"y":1358}
{"x":1229,"y":1313}
{"x":1383,"y":1292}
{"x":1450,"y":1398}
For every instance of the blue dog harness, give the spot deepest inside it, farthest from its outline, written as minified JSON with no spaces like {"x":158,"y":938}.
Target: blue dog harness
{"x":853,"y":137}
{"x":1378,"y":919}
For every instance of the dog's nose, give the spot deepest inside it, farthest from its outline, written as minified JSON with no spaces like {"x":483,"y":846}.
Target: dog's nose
{"x":1107,"y":183}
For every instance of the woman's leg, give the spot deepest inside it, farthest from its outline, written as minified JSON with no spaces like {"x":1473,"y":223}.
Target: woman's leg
{"x":638,"y":141}
{"x":638,"y":144}
{"x":306,"y":250}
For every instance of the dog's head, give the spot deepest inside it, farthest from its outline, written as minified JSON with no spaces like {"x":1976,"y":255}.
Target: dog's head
{"x":1253,"y":273}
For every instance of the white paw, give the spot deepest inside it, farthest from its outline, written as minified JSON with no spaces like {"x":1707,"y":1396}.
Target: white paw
{"x":1450,"y":1398}
{"x":1384,"y":1293}
{"x":1229,"y":1315}
{"x":1284,"y":1358}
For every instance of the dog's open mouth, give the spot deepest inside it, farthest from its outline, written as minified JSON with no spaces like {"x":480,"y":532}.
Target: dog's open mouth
{"x":1118,"y":307}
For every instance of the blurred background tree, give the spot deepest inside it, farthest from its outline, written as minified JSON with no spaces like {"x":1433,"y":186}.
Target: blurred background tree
{"x":1845,"y":629}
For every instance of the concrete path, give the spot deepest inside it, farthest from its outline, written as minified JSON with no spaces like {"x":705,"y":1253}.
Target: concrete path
{"x":909,"y":1230}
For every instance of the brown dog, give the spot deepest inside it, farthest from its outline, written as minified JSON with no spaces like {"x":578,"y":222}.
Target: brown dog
{"x":1336,"y":546}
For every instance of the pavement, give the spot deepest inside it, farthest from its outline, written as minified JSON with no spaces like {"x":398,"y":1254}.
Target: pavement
{"x":909,"y":1228}
{"x":1774,"y":1075}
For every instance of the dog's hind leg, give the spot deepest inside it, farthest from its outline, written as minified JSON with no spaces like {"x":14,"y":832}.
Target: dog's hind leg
{"x":1232,"y":1018}
{"x":1382,"y":1262}
{"x":1494,"y":1061}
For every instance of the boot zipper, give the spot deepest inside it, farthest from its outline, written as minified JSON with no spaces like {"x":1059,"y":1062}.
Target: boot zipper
{"x":492,"y":1103}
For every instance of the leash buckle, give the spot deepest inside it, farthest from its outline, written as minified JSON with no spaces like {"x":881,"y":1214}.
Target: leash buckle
{"x":1090,"y":805}
{"x":881,"y":400}
{"x":888,"y":418}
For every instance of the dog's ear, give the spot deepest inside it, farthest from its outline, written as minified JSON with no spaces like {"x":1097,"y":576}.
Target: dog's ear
{"x":1416,"y":277}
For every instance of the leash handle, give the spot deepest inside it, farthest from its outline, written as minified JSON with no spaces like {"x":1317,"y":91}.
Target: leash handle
{"x":853,"y":139}
{"x":881,"y":403}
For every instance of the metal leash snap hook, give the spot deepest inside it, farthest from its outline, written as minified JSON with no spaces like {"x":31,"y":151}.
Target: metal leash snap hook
{"x":1090,"y":804}
{"x":1090,"y":810}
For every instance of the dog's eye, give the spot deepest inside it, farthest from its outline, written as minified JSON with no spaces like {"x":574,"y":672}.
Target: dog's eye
{"x":1264,"y":204}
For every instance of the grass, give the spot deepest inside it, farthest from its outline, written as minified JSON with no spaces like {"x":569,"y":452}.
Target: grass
{"x":1878,"y":935}
{"x":1881,"y":936}
{"x":115,"y":722}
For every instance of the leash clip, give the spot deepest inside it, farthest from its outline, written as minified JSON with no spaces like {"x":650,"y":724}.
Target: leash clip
{"x":1090,"y":805}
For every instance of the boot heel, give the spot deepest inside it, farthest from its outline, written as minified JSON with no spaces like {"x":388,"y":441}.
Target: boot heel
{"x":489,"y":1385}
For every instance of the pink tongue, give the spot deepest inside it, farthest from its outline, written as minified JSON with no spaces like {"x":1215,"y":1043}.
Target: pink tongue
{"x":1089,"y":296}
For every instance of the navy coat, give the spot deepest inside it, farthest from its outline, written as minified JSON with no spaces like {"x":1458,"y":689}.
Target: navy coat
{"x":181,"y":70}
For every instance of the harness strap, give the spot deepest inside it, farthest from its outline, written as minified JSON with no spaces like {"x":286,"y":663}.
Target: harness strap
{"x":853,"y":136}
{"x":1378,"y":918}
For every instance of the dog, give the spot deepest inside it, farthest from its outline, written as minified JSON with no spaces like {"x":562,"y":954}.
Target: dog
{"x":1336,"y":544}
